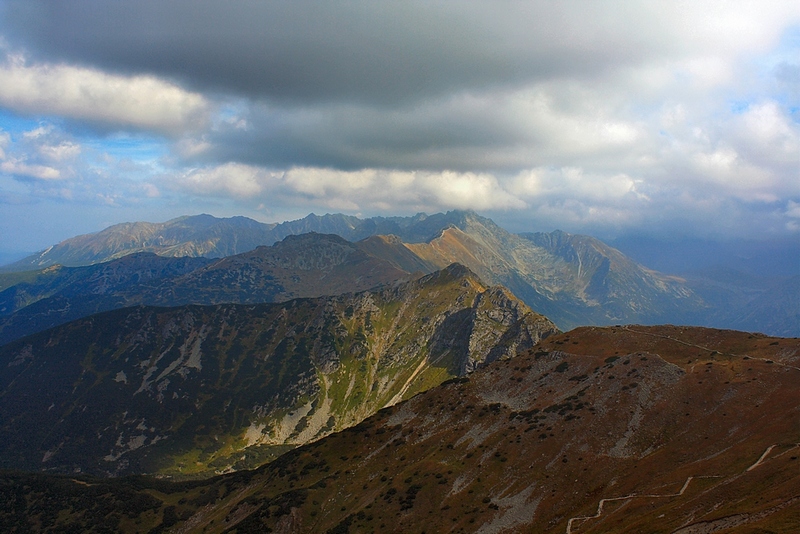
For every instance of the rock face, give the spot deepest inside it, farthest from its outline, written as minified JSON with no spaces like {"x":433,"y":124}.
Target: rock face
{"x":196,"y":390}
{"x":598,"y":430}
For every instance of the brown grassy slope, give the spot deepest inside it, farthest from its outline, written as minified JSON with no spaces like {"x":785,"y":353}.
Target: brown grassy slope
{"x":635,"y":429}
{"x":669,"y":422}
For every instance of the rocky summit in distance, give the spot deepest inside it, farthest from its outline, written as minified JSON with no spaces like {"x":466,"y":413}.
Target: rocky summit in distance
{"x":598,"y":430}
{"x":198,"y":390}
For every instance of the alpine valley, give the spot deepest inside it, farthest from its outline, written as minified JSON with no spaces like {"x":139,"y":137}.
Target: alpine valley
{"x":402,"y":374}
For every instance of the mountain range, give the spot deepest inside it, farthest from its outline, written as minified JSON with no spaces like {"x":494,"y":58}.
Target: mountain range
{"x":573,"y":279}
{"x":212,"y":237}
{"x":309,"y":265}
{"x":336,"y":374}
{"x":615,"y":429}
{"x":194,"y":390}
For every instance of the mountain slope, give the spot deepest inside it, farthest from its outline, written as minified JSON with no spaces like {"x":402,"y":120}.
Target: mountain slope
{"x":192,"y":390}
{"x":58,"y":294}
{"x":606,"y":430}
{"x":307,"y":265}
{"x":572,"y":279}
{"x":775,"y":310}
{"x":747,"y":302}
{"x":606,"y":278}
{"x":310,"y":265}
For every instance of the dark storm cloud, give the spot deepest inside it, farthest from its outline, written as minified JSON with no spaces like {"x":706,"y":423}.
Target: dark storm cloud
{"x":369,"y":52}
{"x":456,"y":135}
{"x":613,"y":114}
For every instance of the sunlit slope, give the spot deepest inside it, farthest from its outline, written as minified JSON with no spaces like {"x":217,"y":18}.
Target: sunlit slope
{"x":574,"y":280}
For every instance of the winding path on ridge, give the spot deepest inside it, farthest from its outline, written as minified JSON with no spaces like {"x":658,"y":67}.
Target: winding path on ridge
{"x":676,"y":340}
{"x":634,"y":496}
{"x":602,"y":502}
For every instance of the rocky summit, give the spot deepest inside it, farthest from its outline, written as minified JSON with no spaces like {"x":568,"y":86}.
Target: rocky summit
{"x":198,"y":390}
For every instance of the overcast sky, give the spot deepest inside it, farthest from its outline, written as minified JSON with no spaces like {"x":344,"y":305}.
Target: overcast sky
{"x":606,"y":118}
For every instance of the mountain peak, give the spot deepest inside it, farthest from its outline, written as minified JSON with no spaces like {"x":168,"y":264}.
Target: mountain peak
{"x":451,"y":273}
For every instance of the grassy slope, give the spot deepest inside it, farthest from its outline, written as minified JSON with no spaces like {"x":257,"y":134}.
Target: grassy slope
{"x":687,"y":430}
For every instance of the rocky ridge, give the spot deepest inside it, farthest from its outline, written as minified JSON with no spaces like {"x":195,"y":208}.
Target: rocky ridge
{"x":574,"y":280}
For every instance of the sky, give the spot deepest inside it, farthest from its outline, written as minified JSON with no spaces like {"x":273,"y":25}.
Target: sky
{"x":653,"y":118}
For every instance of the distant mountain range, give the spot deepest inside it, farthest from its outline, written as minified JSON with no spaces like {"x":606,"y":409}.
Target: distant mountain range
{"x":194,"y":390}
{"x":308,"y":265}
{"x":598,"y":430}
{"x":573,"y":279}
{"x":212,"y":237}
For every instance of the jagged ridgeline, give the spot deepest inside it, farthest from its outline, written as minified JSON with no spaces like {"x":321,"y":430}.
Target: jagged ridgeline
{"x":194,"y":390}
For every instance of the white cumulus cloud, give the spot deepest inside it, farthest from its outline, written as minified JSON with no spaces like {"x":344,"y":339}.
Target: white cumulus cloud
{"x":144,"y":101}
{"x":374,"y":189}
{"x":22,"y":169}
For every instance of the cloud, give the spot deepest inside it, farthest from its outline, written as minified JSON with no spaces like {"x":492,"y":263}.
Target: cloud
{"x":63,"y":151}
{"x":631,"y":115}
{"x":22,"y":169}
{"x":387,"y":53}
{"x":494,"y":131}
{"x":354,"y":52}
{"x":140,"y":102}
{"x":42,"y":154}
{"x":43,"y":163}
{"x":232,"y":179}
{"x":575,"y":183}
{"x":369,"y":189}
{"x":5,"y":140}
{"x":792,"y":216}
